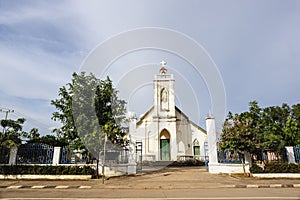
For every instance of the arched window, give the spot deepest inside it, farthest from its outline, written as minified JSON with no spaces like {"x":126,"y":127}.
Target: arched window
{"x":196,"y":147}
{"x":196,"y":142}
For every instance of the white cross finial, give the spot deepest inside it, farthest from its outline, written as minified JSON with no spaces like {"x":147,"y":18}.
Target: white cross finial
{"x":163,"y":63}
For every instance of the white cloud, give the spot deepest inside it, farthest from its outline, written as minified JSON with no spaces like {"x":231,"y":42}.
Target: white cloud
{"x":255,"y":43}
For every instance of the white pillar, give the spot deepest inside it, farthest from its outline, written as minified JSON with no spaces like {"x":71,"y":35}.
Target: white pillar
{"x":132,"y":123}
{"x":212,"y":139}
{"x":56,"y":155}
{"x":212,"y":143}
{"x":13,"y":155}
{"x":131,"y":168}
{"x":290,"y":154}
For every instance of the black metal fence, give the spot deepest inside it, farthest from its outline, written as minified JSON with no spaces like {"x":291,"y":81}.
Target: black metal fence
{"x":297,"y":154}
{"x":4,"y":155}
{"x":35,"y":154}
{"x":71,"y":156}
{"x":116,"y":156}
{"x":229,"y":156}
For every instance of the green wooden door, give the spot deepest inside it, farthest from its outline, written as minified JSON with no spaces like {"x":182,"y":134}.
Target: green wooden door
{"x":165,"y":149}
{"x":196,"y":150}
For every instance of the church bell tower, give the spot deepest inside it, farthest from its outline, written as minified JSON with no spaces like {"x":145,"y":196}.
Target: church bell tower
{"x":164,"y":100}
{"x":164,"y":116}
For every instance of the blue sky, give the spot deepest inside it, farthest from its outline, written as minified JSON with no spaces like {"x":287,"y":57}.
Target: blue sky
{"x":255,"y":45}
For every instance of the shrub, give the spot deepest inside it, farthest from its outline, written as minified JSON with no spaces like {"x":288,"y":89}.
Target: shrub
{"x":187,"y":163}
{"x":276,"y":167}
{"x":256,"y":169}
{"x":47,"y":169}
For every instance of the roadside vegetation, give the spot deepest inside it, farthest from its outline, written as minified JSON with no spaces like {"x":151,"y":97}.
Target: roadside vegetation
{"x":46,"y":170}
{"x":260,"y":131}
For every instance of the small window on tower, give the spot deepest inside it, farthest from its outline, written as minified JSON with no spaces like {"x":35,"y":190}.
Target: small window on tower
{"x":164,"y":99}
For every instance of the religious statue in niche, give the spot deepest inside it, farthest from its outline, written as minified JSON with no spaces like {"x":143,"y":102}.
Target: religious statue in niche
{"x":164,"y":99}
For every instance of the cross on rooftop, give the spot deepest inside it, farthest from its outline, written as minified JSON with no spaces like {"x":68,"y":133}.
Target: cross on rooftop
{"x":163,"y":70}
{"x":163,"y":63}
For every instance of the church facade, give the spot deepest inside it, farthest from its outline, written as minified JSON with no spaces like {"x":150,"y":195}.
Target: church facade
{"x":165,"y":132}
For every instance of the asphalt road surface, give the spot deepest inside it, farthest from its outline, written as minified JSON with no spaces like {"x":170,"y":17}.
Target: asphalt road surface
{"x":193,"y":194}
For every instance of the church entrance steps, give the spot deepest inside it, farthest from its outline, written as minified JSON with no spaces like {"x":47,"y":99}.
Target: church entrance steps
{"x":162,"y":163}
{"x":154,"y":166}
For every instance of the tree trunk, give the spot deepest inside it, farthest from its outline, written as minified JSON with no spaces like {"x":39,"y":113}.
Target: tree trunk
{"x":243,"y":163}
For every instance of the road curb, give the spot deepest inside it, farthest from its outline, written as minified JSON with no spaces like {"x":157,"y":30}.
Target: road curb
{"x":277,"y":175}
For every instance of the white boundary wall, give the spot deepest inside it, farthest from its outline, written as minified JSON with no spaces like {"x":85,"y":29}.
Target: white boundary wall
{"x":228,"y":168}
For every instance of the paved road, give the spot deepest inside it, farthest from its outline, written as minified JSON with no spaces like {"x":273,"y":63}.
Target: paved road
{"x":170,"y":183}
{"x":217,"y":193}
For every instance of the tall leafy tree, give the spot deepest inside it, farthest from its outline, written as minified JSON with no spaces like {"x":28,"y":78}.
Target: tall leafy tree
{"x":64,"y":113}
{"x":89,"y":109}
{"x":110,"y":112}
{"x":274,"y":119}
{"x":242,"y":132}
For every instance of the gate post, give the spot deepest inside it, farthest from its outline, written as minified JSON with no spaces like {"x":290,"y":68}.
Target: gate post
{"x":13,"y":156}
{"x":56,"y":155}
{"x":132,"y":160}
{"x":212,"y":144}
{"x":290,"y":154}
{"x":131,"y":168}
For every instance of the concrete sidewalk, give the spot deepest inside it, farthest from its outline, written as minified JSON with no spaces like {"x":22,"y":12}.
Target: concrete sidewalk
{"x":194,"y":177}
{"x":166,"y":178}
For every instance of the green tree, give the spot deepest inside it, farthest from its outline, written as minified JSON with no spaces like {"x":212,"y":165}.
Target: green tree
{"x":50,"y":140}
{"x":242,"y":132}
{"x":274,"y":119}
{"x":64,"y":113}
{"x":34,"y":133}
{"x":89,"y":108}
{"x":271,"y":128}
{"x":110,"y":112}
{"x":13,"y":133}
{"x":296,"y":114}
{"x":292,"y":133}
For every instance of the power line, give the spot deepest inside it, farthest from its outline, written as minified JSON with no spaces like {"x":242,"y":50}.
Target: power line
{"x":6,"y":111}
{"x":29,"y":119}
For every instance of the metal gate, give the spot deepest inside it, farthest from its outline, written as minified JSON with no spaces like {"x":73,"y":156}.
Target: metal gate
{"x":297,"y":154}
{"x":139,"y":155}
{"x":206,"y":155}
{"x":35,"y":154}
{"x":4,"y":155}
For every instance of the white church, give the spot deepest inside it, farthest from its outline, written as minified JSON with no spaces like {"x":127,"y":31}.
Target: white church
{"x":165,"y":132}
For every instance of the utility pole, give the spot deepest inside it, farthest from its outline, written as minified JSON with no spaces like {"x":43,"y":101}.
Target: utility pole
{"x":103,"y":163}
{"x":6,"y":111}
